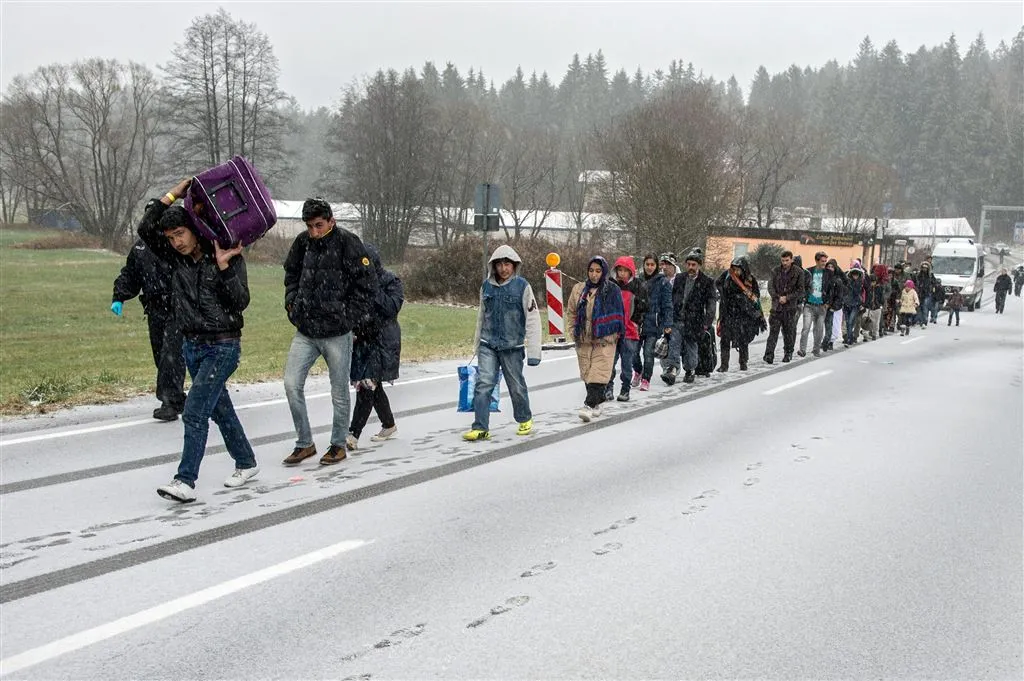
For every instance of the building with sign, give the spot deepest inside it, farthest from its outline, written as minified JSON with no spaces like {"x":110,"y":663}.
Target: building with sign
{"x":888,"y":241}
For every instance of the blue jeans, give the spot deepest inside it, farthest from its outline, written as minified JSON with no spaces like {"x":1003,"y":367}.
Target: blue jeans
{"x":689,"y":354}
{"x":925,"y":311}
{"x":850,"y":316}
{"x":675,"y":350}
{"x":337,"y":353}
{"x":625,"y":351}
{"x":210,"y":365}
{"x":643,"y":362}
{"x":511,"y":364}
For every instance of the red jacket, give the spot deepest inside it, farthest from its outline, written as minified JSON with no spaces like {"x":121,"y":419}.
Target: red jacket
{"x":629,"y":291}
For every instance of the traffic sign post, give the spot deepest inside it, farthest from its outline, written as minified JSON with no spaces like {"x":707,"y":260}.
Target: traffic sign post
{"x":486,"y":213}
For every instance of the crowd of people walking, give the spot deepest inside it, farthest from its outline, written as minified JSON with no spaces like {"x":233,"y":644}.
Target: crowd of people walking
{"x":344,"y":305}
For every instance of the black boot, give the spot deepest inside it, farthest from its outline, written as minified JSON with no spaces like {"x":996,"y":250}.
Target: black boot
{"x":688,"y":377}
{"x":723,"y":365}
{"x":166,"y":412}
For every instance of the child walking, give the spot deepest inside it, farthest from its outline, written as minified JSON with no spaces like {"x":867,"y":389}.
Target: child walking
{"x":909,"y":305}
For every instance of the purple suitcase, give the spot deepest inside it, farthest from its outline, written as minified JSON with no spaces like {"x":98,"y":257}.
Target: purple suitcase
{"x":230,"y":204}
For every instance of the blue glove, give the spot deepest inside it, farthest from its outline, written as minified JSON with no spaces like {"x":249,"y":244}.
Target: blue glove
{"x":116,"y":306}
{"x":533,"y":361}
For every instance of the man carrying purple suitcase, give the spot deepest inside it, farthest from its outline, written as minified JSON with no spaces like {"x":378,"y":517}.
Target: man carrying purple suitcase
{"x":330,"y":285}
{"x":209,"y":290}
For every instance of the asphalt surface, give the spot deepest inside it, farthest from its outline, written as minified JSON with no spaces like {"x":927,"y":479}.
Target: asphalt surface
{"x":854,"y":516}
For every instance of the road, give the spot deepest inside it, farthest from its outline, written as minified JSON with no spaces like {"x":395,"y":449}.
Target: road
{"x":853,"y":516}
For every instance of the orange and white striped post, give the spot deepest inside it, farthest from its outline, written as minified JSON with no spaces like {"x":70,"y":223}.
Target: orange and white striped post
{"x":553,"y":288}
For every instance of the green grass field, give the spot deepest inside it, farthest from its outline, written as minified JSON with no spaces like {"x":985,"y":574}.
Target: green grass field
{"x":60,"y":345}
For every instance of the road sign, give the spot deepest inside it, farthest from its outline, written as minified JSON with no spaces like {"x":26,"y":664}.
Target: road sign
{"x":911,"y":250}
{"x":492,"y":222}
{"x":1018,"y":233}
{"x":887,"y":209}
{"x":486,"y":207}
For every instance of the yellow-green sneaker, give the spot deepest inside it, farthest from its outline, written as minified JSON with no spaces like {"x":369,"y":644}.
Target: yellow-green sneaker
{"x":525,"y":428}
{"x":476,"y":434}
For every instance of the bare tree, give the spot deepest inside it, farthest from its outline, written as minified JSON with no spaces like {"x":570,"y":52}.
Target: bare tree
{"x":528,"y":177}
{"x":670,"y":173}
{"x":776,"y":150}
{"x":223,"y":97}
{"x":857,"y":188}
{"x":82,"y":138}
{"x":578,"y":182}
{"x":383,"y":136}
{"x":467,"y":153}
{"x":12,"y":193}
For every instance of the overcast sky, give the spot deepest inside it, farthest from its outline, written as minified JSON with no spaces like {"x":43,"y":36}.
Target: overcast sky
{"x":323,"y":46}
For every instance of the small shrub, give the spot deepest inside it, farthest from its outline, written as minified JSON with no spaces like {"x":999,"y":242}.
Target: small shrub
{"x":453,"y":274}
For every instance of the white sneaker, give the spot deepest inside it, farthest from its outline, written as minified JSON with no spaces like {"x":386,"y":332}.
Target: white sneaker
{"x":351,"y":443}
{"x":241,"y":476}
{"x":586,"y":413}
{"x":385,"y":434}
{"x":596,"y":411}
{"x":177,"y":491}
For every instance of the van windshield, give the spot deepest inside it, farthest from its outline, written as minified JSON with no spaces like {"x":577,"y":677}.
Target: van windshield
{"x":959,"y":266}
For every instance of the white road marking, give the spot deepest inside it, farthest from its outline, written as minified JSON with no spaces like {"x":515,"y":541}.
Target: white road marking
{"x":800,"y":381}
{"x":117,"y":425}
{"x":912,"y":340}
{"x":69,"y":644}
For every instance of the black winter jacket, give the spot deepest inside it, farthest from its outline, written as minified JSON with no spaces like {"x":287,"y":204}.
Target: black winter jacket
{"x":1003,"y":283}
{"x":147,"y":276}
{"x":377,"y":349}
{"x":208,"y":302}
{"x":329,"y":283}
{"x":789,"y":284}
{"x":740,"y":317}
{"x":698,"y":311}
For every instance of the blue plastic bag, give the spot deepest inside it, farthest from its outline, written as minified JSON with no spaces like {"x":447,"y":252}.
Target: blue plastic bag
{"x":467,"y":386}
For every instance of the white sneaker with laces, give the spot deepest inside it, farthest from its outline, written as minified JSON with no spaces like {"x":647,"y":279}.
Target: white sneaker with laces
{"x":177,"y":491}
{"x":385,"y":434}
{"x":241,"y":476}
{"x":351,"y":442}
{"x":596,"y":411}
{"x":586,"y":413}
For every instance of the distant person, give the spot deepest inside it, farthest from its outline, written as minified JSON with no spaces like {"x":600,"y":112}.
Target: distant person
{"x":329,"y":289}
{"x":670,"y":364}
{"x":376,"y":356}
{"x":854,"y":300}
{"x":596,"y":319}
{"x":1018,"y":280}
{"x":818,"y":282}
{"x":657,"y":320}
{"x":955,"y":301}
{"x":909,"y":305}
{"x":633,"y":304}
{"x":210,"y":291}
{"x":149,"y":277}
{"x":833,"y":304}
{"x":786,"y":287}
{"x":925,"y":284}
{"x":694,"y":300}
{"x":740,"y":317}
{"x":507,"y":333}
{"x":1002,"y":287}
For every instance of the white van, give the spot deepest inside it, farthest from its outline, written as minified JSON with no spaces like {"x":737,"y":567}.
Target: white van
{"x":959,"y":264}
